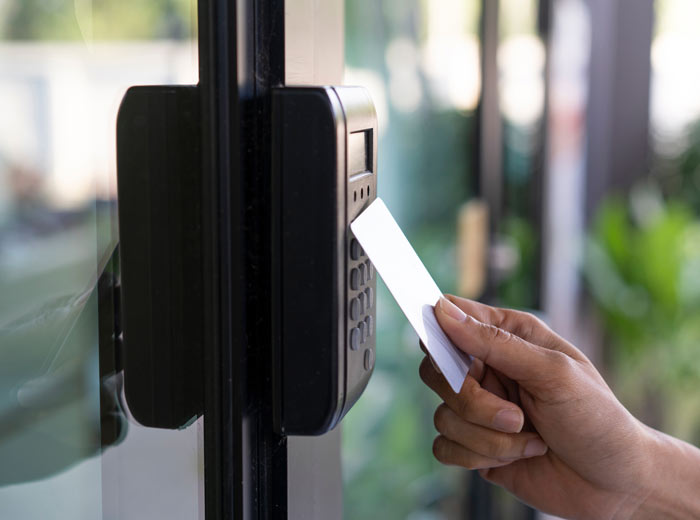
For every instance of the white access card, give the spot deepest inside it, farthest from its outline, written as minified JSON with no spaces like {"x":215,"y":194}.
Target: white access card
{"x":411,"y":285}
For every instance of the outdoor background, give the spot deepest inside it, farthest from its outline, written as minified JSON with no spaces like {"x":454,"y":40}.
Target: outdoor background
{"x":608,"y":255}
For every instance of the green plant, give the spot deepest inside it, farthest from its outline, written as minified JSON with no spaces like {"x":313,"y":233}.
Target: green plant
{"x":518,"y":288}
{"x":642,"y":265}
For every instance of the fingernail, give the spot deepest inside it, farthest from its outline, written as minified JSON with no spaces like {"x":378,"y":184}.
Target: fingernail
{"x":508,"y":421}
{"x":432,"y":361}
{"x":451,"y":310}
{"x":534,"y":448}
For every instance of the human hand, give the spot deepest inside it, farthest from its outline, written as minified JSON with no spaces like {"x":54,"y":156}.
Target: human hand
{"x":536,"y":417}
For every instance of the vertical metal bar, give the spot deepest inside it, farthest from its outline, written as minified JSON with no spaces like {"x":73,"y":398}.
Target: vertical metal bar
{"x":539,"y":168}
{"x":618,"y":102}
{"x":263,"y":55}
{"x":242,"y":55}
{"x":489,"y":163}
{"x":490,"y":141}
{"x":223,"y":270}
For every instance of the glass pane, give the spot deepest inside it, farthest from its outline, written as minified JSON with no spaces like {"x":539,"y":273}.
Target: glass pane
{"x":67,"y":445}
{"x":420,"y":61}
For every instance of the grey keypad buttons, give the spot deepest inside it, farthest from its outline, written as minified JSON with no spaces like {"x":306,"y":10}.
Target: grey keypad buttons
{"x":355,"y":337}
{"x":369,"y":359}
{"x":369,"y":298}
{"x":355,"y":249}
{"x":354,"y":309}
{"x":370,"y":270}
{"x":361,"y":299}
{"x":363,"y":331}
{"x":369,"y":321}
{"x":354,"y":279}
{"x":363,"y":277}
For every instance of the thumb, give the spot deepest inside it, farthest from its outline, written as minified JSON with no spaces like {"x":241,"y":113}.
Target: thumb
{"x":516,"y":358}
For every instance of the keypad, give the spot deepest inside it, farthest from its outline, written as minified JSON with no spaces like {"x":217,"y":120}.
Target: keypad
{"x":355,"y":249}
{"x":369,"y":359}
{"x":369,"y":321}
{"x":361,"y":299}
{"x":355,"y":336}
{"x":354,"y":309}
{"x":354,"y":279}
{"x":363,"y":331}
{"x":361,"y":303}
{"x":369,"y":298}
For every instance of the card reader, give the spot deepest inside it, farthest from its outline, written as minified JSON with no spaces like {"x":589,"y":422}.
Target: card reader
{"x":324,"y":316}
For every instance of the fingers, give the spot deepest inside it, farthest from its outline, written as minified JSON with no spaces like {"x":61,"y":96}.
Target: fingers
{"x":474,"y":404}
{"x":515,"y":357}
{"x":492,"y":383}
{"x":522,"y":324}
{"x":485,"y":441}
{"x":432,"y":361}
{"x":476,"y":370}
{"x":449,"y":452}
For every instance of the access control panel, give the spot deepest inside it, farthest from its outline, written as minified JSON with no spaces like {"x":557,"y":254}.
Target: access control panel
{"x":324,"y":286}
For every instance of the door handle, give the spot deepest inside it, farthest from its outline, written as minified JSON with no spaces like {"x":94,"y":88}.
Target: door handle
{"x":159,"y":185}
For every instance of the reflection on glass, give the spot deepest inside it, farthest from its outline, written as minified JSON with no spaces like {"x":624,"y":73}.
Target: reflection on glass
{"x":64,"y":436}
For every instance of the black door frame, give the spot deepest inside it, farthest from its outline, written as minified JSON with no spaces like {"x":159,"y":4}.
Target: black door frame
{"x":241,"y":51}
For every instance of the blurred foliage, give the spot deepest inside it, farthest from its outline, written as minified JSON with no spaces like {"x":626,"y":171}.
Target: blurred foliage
{"x":388,"y":466}
{"x":425,"y":167}
{"x":87,"y":19}
{"x":426,"y":161}
{"x":642,"y":265}
{"x":679,"y":175}
{"x":519,"y":287}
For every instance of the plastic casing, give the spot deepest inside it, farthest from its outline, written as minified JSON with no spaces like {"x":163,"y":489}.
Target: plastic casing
{"x":317,"y":376}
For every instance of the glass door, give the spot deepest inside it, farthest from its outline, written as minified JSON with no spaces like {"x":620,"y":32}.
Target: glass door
{"x":68,"y":444}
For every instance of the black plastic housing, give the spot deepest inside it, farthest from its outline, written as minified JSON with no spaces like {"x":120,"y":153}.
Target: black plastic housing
{"x":317,"y":376}
{"x":160,"y":218}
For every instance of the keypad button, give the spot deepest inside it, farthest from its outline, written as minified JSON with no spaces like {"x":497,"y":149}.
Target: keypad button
{"x":362,"y":269}
{"x":354,"y":279}
{"x":369,"y":321}
{"x":354,"y":309}
{"x":355,"y":249}
{"x":369,"y":298}
{"x":370,"y":270}
{"x":363,"y":331}
{"x":369,"y":359}
{"x":361,"y":298}
{"x":355,"y":337}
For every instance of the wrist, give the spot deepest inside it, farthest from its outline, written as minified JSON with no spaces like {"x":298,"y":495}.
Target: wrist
{"x":669,"y":487}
